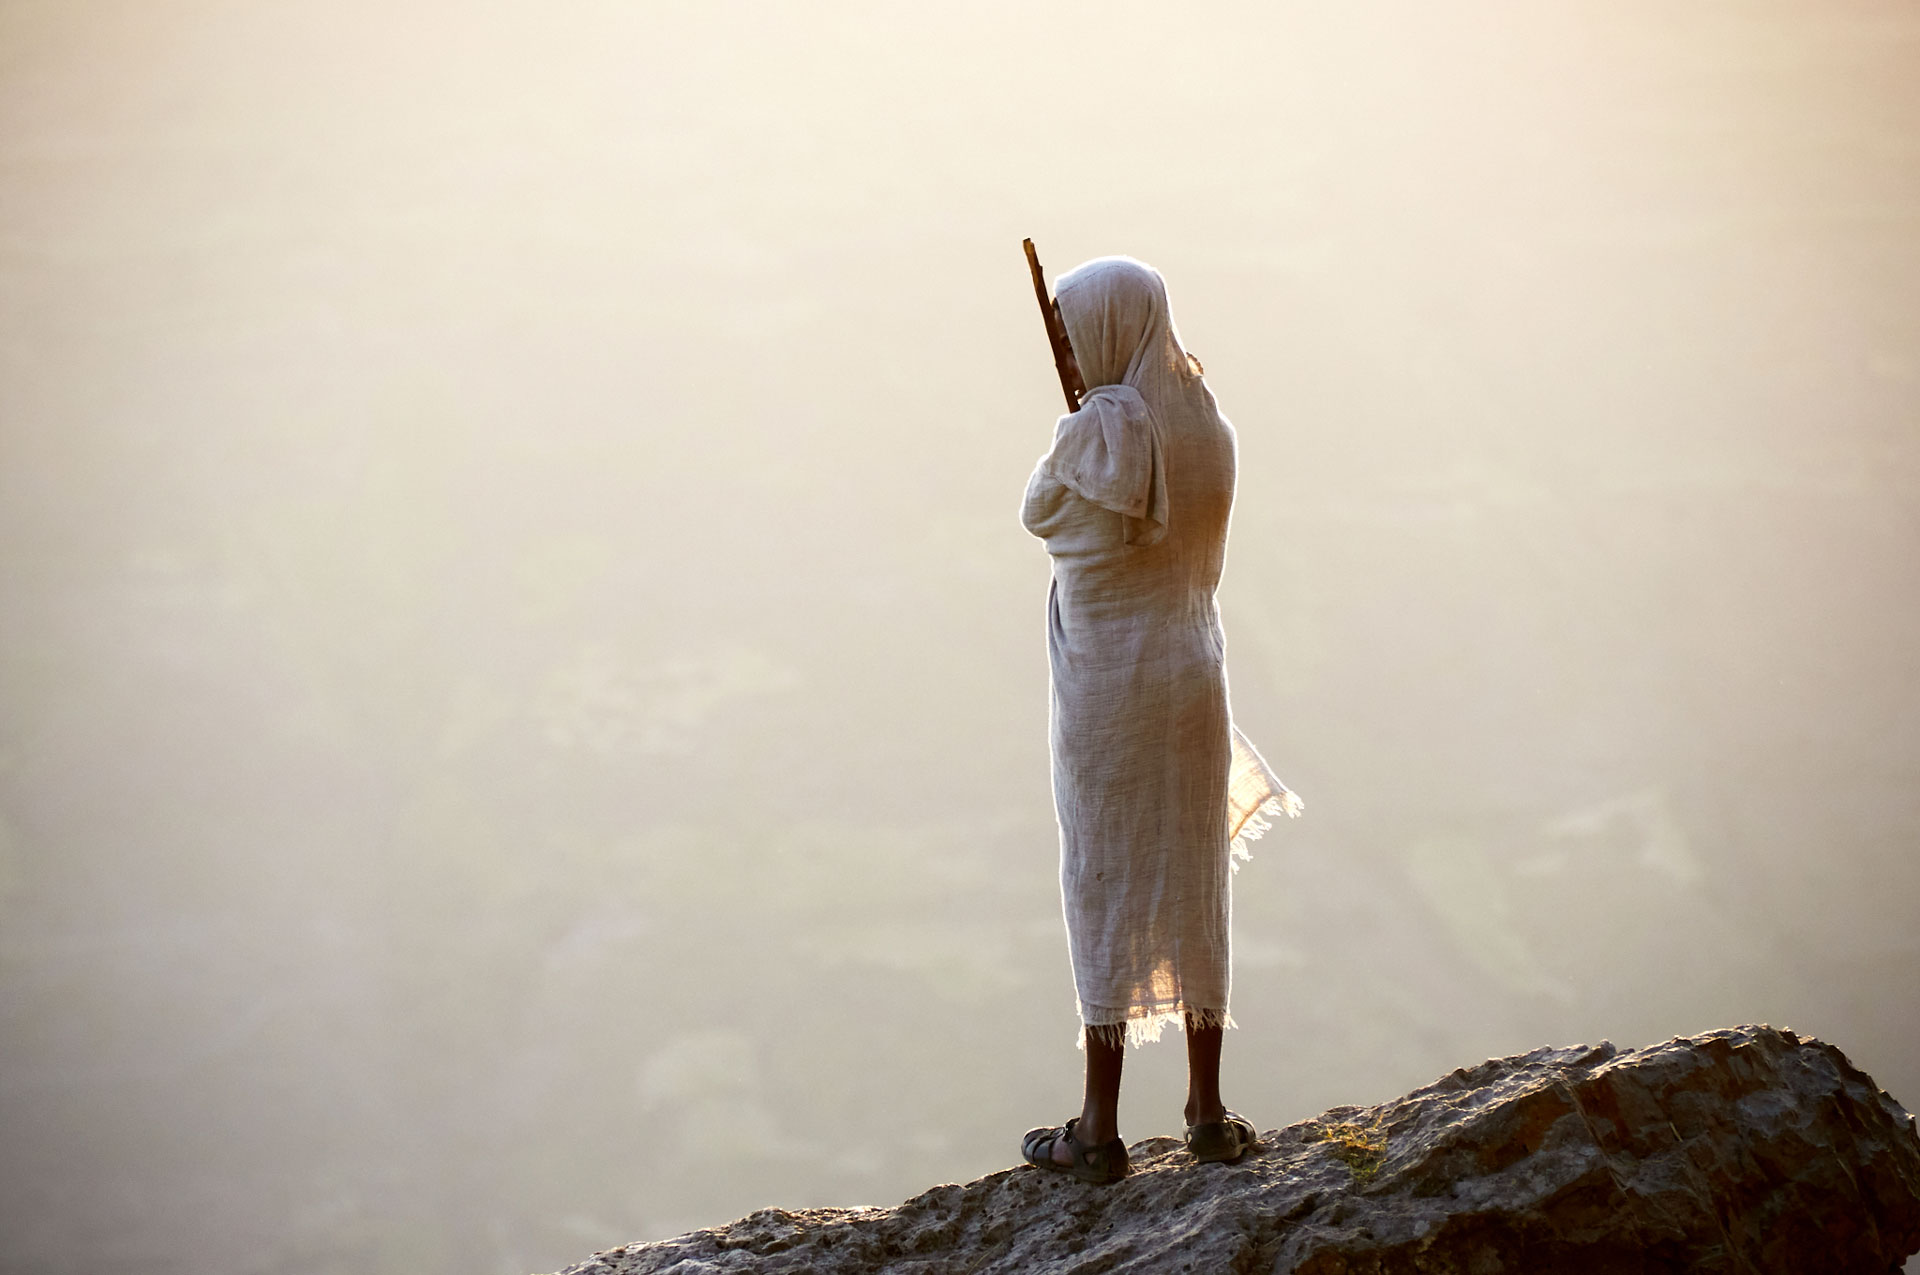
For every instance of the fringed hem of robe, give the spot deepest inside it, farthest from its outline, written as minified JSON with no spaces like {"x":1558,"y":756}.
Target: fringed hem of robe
{"x":1142,"y":1024}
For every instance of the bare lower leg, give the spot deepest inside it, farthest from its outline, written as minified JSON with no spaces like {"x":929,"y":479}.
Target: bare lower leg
{"x":1203,"y":1073}
{"x":1100,"y":1111}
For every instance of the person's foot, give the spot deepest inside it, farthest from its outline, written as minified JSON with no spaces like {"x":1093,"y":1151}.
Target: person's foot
{"x":1061,"y":1151}
{"x":1221,"y":1141}
{"x":1084,"y":1133}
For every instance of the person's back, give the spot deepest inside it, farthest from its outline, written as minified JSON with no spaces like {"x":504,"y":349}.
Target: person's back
{"x":1133,"y":503}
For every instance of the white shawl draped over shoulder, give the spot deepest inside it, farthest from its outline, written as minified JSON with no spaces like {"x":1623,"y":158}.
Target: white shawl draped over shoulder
{"x":1155,"y":789}
{"x":1108,"y":452}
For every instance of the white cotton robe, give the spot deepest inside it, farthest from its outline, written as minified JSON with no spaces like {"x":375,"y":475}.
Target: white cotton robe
{"x":1154,"y":788}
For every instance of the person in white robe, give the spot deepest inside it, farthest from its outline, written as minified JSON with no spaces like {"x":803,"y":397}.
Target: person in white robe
{"x":1155,"y":789}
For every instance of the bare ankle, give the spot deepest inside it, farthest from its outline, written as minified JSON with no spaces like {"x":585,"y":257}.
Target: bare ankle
{"x":1090,"y":1130}
{"x":1211,"y":1112}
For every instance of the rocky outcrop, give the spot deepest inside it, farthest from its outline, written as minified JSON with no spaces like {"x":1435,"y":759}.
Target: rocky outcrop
{"x":1744,"y":1150}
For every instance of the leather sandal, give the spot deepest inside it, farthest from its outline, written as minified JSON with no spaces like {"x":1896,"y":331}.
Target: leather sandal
{"x":1102,"y":1165}
{"x":1221,"y":1141}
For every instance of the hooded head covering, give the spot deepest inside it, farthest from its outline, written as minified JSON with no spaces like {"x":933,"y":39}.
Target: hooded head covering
{"x":1122,"y":331}
{"x":1141,"y":384}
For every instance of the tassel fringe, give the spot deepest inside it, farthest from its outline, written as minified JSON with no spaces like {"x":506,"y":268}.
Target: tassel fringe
{"x":1145,"y":1026}
{"x":1260,"y":822}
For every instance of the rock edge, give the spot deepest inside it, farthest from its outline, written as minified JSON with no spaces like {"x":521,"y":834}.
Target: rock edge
{"x":1747,"y":1149}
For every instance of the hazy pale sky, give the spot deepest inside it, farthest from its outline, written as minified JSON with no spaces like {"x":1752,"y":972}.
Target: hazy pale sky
{"x":523,"y":690}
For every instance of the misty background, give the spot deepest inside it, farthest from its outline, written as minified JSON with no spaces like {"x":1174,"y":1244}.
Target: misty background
{"x":523,"y":691}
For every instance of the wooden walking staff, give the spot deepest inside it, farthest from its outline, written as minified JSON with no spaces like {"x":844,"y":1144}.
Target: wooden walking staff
{"x":1063,"y":361}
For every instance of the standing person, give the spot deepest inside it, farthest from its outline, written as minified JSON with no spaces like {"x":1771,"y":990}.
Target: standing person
{"x":1154,"y":788}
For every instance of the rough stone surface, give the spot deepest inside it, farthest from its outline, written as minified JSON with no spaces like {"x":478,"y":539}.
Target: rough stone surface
{"x":1741,"y":1150}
